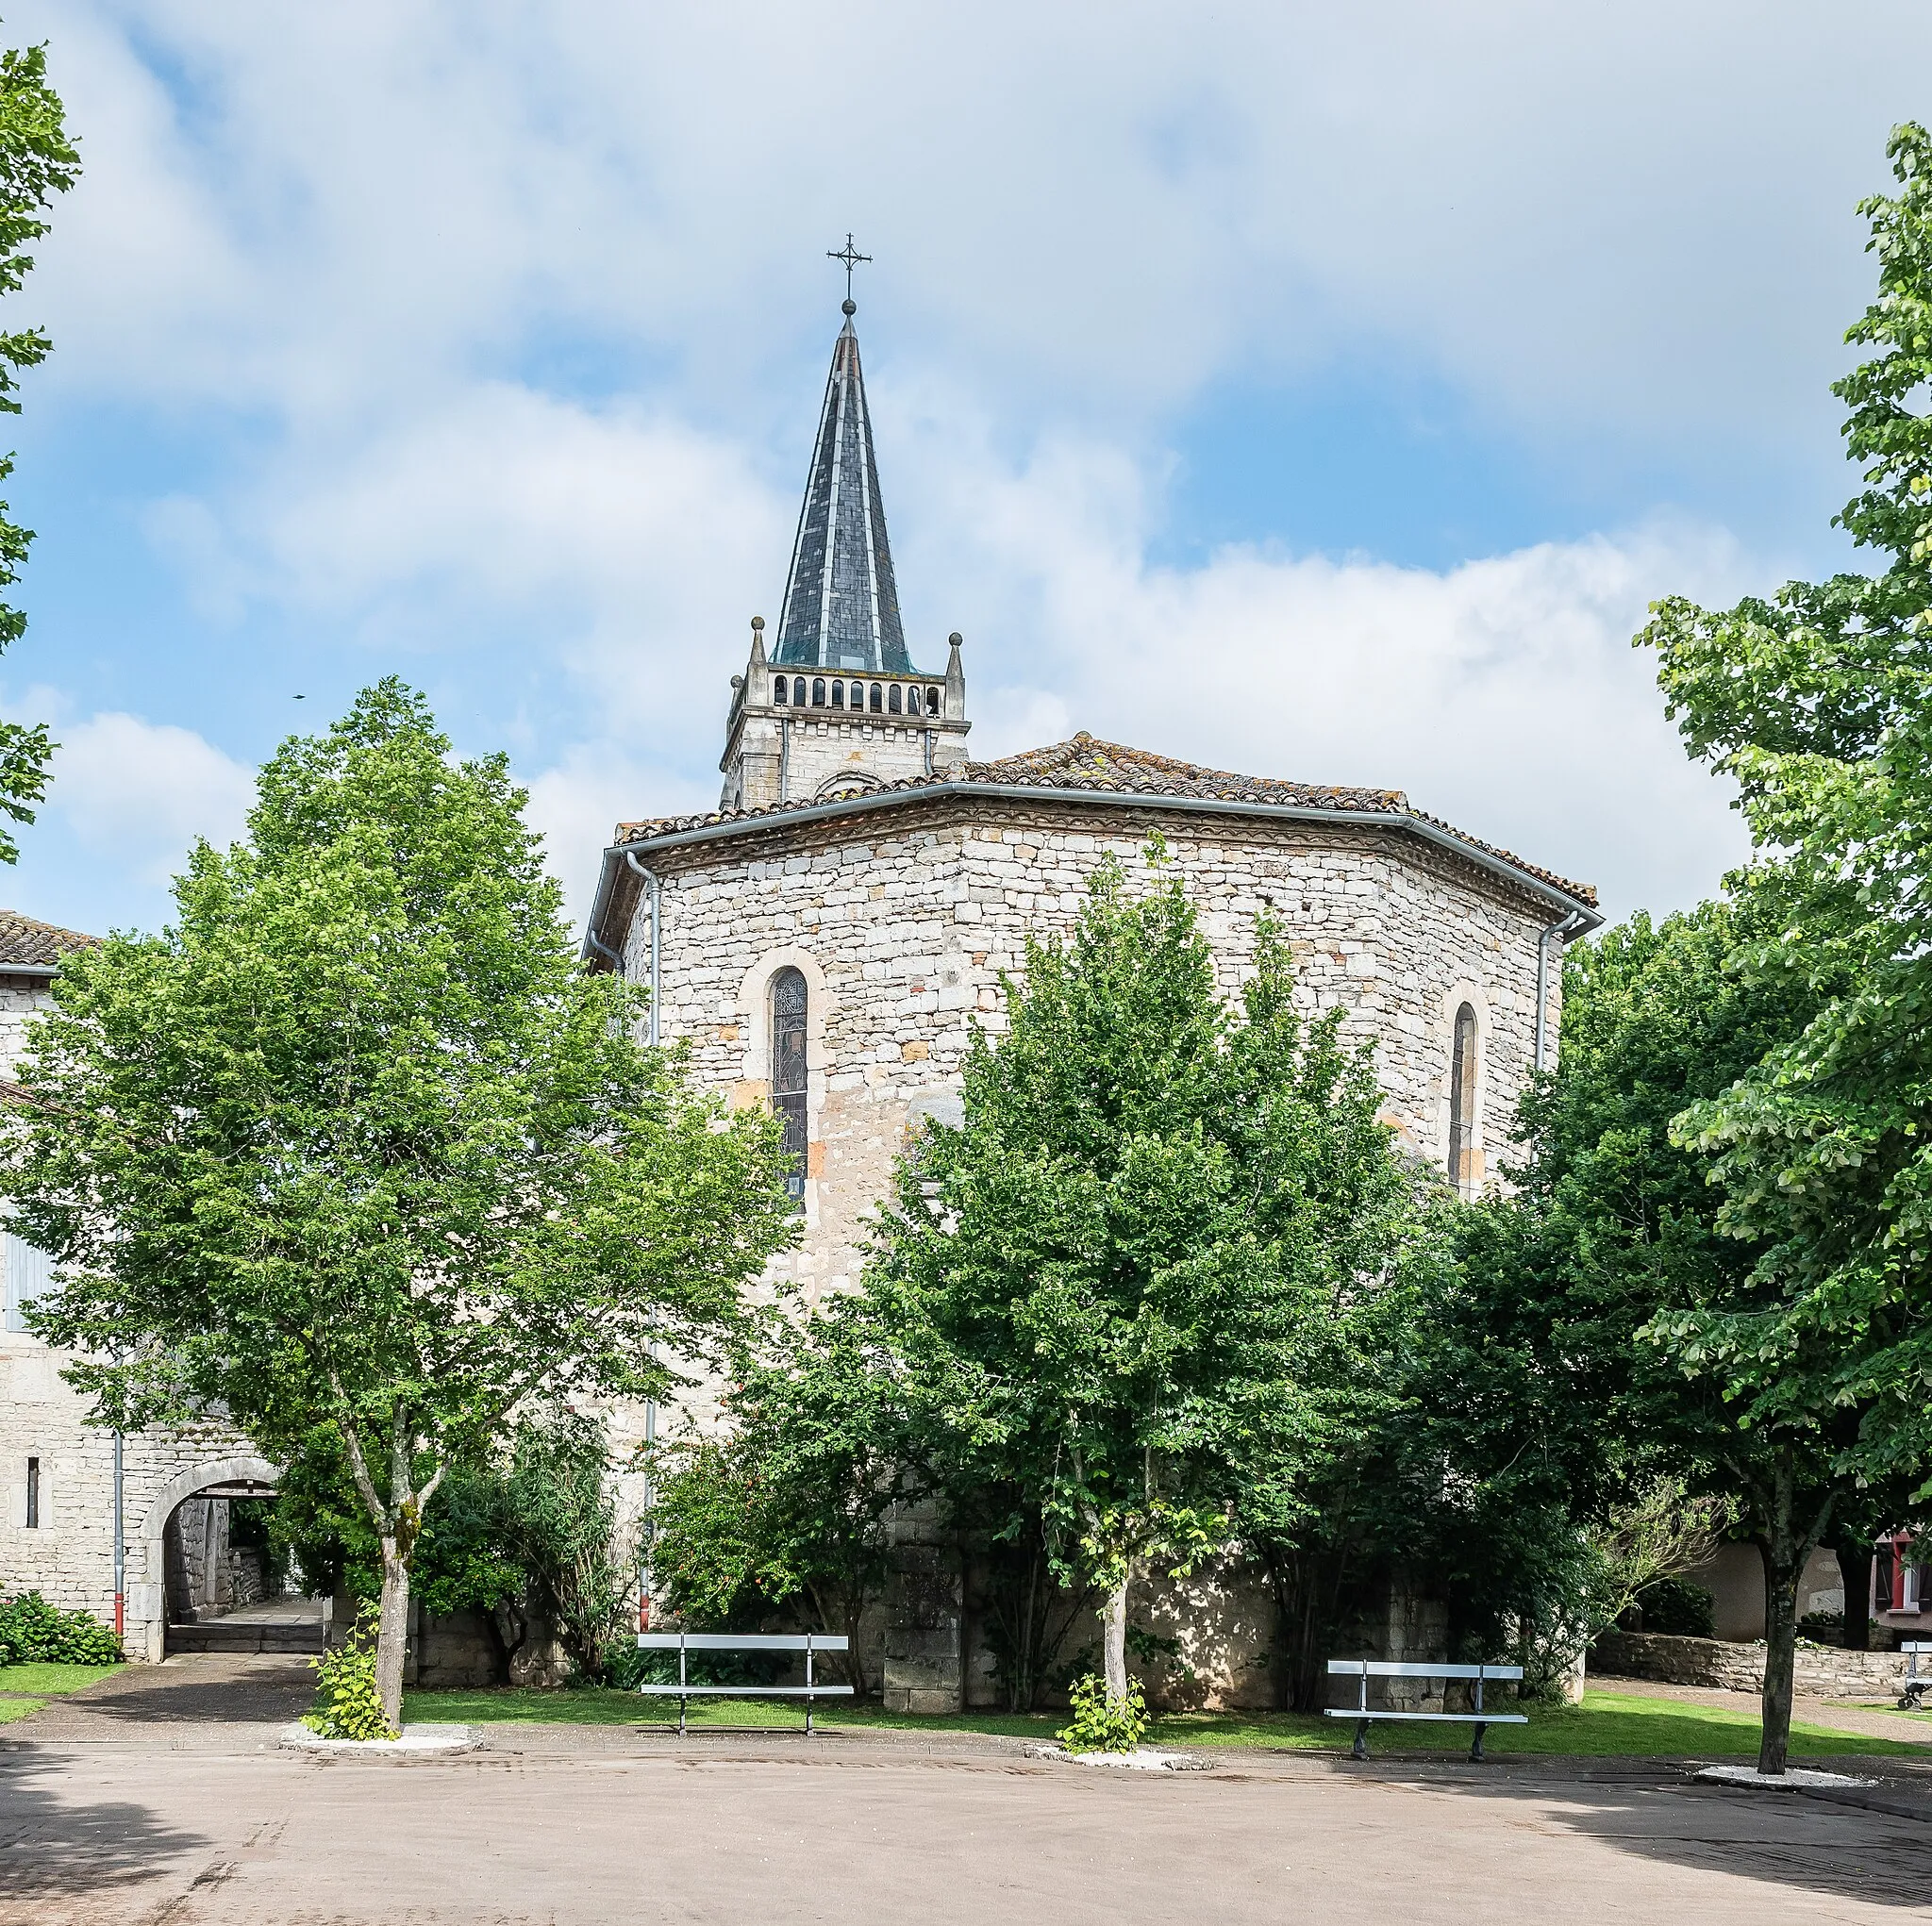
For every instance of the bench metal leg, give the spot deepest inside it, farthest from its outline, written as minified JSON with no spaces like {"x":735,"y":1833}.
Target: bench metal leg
{"x":1476,"y":1750}
{"x":1361,"y":1739}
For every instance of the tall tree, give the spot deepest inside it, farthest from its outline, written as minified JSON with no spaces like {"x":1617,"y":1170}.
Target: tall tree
{"x":37,"y":162}
{"x":1596,"y":1300}
{"x":1104,"y":1289}
{"x":356,"y":1142}
{"x":1818,"y":703}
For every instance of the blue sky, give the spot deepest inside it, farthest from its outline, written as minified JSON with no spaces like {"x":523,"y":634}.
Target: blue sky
{"x":1321,"y":393}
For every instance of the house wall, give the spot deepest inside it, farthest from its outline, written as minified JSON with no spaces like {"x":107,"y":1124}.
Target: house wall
{"x":68,"y":1556}
{"x":1735,"y":1579}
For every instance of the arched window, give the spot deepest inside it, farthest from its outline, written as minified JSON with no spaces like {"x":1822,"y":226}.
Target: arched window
{"x":1463,"y":1071}
{"x":788,"y":1070}
{"x":818,"y":692}
{"x":780,"y":687}
{"x":876,"y":693}
{"x":838,"y":696}
{"x":932,"y":702}
{"x":893,"y":701}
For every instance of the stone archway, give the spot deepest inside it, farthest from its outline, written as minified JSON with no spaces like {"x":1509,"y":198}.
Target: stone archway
{"x":146,"y":1632}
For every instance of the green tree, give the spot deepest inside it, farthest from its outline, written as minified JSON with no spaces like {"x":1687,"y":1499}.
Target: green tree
{"x":1581,"y":1336}
{"x":357,"y":1142}
{"x":1104,"y":1289}
{"x":788,"y":1506}
{"x":1816,"y":703}
{"x":37,"y":160}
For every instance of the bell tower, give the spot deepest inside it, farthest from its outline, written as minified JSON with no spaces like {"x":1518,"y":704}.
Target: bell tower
{"x":838,"y":706}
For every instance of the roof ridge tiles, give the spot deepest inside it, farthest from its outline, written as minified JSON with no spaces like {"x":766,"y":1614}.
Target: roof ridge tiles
{"x":1089,"y":762}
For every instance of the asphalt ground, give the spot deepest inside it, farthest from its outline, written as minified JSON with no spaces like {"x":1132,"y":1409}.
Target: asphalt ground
{"x":161,"y":1797}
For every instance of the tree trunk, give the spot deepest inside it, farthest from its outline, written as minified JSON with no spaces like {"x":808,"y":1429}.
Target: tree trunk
{"x":1855,"y":1573}
{"x":1784,"y":1546}
{"x":1114,"y":1641}
{"x":393,"y":1635}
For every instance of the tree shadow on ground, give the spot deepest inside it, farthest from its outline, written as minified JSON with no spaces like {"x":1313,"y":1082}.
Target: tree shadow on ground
{"x":197,"y":1691}
{"x":52,"y":1849}
{"x":1784,"y":1839}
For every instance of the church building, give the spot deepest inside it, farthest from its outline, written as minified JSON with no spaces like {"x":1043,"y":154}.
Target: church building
{"x":827,"y":937}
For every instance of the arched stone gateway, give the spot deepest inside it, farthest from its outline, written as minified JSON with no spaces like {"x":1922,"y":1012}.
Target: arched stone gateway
{"x":146,"y":1632}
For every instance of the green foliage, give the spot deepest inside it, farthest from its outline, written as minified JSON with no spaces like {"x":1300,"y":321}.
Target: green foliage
{"x":357,"y":1142}
{"x":785,"y":1509}
{"x":37,"y":160}
{"x":32,"y":1631}
{"x":1114,"y":1294}
{"x":1104,"y":1724}
{"x":528,"y":1534}
{"x":1677,"y":1607}
{"x":347,"y":1702}
{"x":1817,"y":704}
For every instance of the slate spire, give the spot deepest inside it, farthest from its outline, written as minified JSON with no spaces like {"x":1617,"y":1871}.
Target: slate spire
{"x":841,"y":605}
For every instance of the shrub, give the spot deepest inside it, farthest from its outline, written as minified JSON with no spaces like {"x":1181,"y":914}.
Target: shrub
{"x":32,"y":1631}
{"x":1100,"y":1725}
{"x":1675,"y":1605}
{"x":347,"y":1705}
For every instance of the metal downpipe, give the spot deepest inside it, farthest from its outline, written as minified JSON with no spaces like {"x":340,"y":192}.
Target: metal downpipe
{"x":657,"y":938}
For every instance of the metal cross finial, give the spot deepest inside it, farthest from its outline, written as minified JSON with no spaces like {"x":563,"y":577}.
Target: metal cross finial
{"x":852,"y":258}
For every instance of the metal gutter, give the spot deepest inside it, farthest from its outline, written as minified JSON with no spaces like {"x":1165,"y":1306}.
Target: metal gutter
{"x":1028,"y":792}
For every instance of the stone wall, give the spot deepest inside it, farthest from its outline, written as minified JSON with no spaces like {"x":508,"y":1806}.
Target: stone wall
{"x":1821,"y":1670}
{"x":902,"y":925}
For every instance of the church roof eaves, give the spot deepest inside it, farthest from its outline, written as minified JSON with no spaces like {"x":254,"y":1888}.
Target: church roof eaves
{"x":1086,"y":769}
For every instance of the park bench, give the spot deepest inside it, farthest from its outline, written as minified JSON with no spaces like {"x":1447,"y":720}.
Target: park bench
{"x":1912,"y":1697}
{"x":1363,"y":1670}
{"x":683,"y":1643}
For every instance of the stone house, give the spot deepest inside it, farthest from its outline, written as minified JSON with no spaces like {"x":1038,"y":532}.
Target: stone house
{"x":68,"y":1482}
{"x":826,"y":939}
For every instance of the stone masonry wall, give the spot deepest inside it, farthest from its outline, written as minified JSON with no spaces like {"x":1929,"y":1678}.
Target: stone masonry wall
{"x":903,"y":923}
{"x":68,"y":1556}
{"x":1821,"y":1670}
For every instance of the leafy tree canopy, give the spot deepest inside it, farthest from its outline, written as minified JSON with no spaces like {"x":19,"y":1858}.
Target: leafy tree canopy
{"x":356,"y":1141}
{"x":1120,"y":1278}
{"x":37,"y":160}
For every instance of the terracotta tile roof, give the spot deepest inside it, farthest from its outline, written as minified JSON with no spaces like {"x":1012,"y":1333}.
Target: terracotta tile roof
{"x":25,"y":943}
{"x":1113,"y":768}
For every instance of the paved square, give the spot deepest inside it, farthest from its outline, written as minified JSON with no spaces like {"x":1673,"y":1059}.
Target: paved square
{"x":175,"y":1820}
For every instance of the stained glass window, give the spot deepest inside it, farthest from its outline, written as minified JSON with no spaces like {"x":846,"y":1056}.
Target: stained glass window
{"x":788,"y":1070}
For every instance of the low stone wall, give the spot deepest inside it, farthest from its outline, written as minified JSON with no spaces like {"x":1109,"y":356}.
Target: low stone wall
{"x":1820,"y":1671}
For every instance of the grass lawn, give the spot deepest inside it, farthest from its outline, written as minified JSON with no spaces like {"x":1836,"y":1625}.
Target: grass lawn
{"x":19,"y":1708}
{"x":51,"y":1680}
{"x":1607,"y":1724}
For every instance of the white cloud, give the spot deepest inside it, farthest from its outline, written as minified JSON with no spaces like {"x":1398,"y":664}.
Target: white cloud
{"x":1105,"y":202}
{"x":142,"y":791}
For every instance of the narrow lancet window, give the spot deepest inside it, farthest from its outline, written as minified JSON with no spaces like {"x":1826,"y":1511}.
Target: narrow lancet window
{"x":838,"y":696}
{"x":33,"y":1494}
{"x":1463,"y":1071}
{"x":788,"y":1070}
{"x":893,"y":699}
{"x":876,"y":693}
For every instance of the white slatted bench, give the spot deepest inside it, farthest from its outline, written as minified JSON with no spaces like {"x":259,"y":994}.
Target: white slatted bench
{"x":682,"y":1643}
{"x":1363,"y":1670}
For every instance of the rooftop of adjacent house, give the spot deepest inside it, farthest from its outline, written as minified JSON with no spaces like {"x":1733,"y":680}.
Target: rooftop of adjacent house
{"x":1089,"y":765}
{"x":31,"y":947}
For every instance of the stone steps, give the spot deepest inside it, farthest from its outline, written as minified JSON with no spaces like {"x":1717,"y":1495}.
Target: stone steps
{"x":220,"y":1635}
